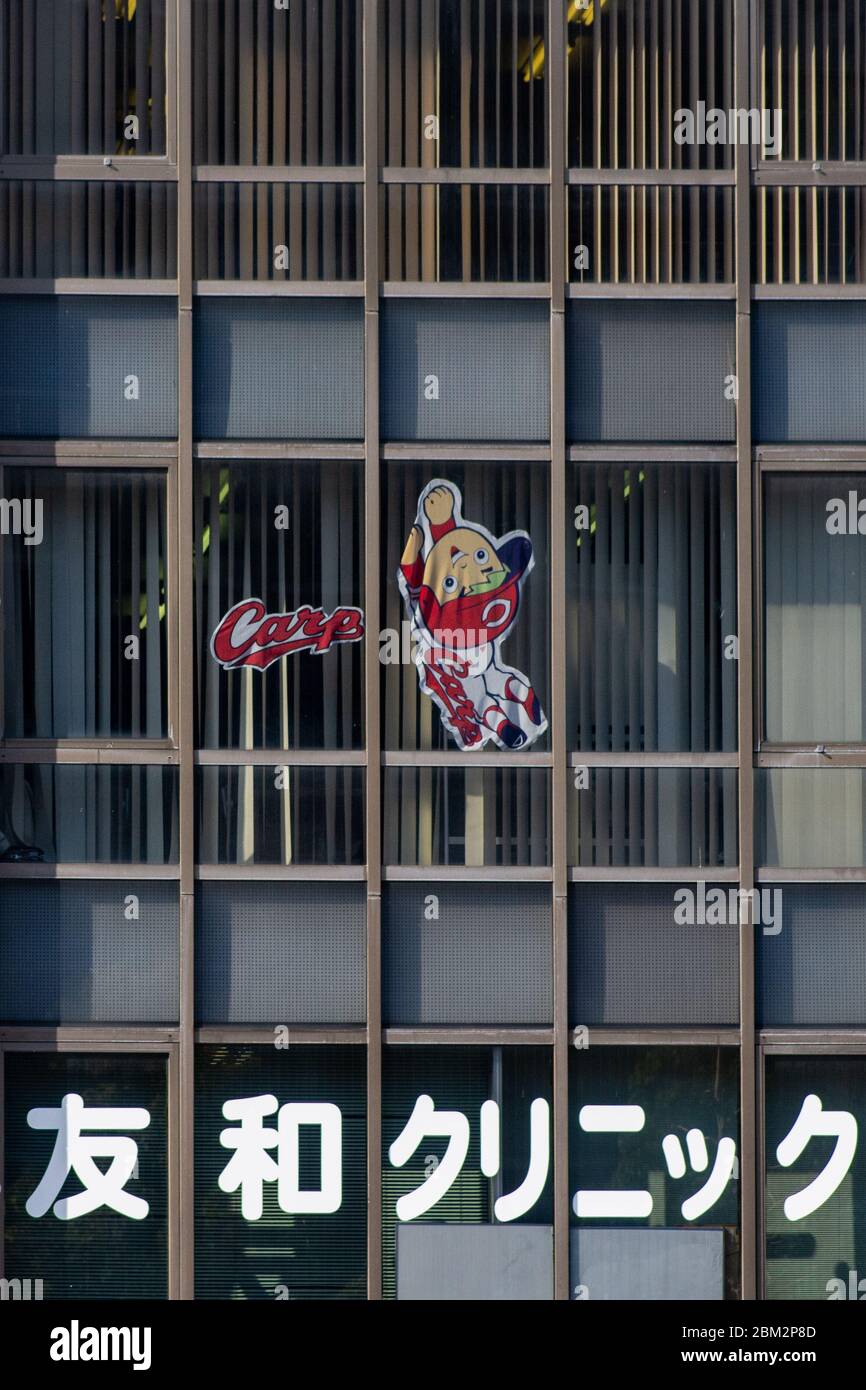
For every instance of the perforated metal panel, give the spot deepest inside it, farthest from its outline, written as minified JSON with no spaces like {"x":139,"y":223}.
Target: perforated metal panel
{"x":485,"y":959}
{"x":813,"y":970}
{"x":630,"y":962}
{"x":280,"y":953}
{"x":649,"y":371}
{"x":808,"y":366}
{"x":66,"y":364}
{"x":491,"y":359}
{"x":70,"y":953}
{"x":279,"y":369}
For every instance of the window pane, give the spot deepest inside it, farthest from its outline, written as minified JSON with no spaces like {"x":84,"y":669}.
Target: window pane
{"x":501,"y":500}
{"x":274,"y":815}
{"x":467,"y":954}
{"x":811,"y":70}
{"x":89,"y":814}
{"x":450,"y":816}
{"x":481,"y":1263}
{"x":652,"y":608}
{"x":73,"y":603}
{"x":77,"y":71}
{"x":809,"y":236}
{"x":277,"y":86}
{"x":102,"y":951}
{"x":653,"y":817}
{"x":278,"y":231}
{"x":812,"y":818}
{"x":816,"y":1255}
{"x":291,"y":536}
{"x":650,"y":235}
{"x":633,"y":68}
{"x":94,"y":230}
{"x":258,"y":1239}
{"x":814,"y":576}
{"x":647,"y":1165}
{"x":463,"y":84}
{"x":289,"y":951}
{"x":465,"y":232}
{"x":101,"y":1254}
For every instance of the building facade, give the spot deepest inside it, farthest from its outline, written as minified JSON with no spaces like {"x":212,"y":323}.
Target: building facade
{"x":433,"y":622}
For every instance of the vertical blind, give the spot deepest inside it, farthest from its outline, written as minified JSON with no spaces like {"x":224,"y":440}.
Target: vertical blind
{"x":277,"y":86}
{"x":73,"y":71}
{"x":812,"y":67}
{"x":71,"y":604}
{"x":632,"y":64}
{"x":463,"y":84}
{"x":96,"y":230}
{"x":651,"y":600}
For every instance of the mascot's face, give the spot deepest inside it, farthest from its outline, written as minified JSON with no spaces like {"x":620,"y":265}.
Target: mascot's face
{"x":463,"y":563}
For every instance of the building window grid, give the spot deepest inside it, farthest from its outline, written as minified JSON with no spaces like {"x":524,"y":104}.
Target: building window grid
{"x":176,"y":166}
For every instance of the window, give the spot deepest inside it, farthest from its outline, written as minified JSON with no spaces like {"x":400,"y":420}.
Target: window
{"x":651,"y":575}
{"x":813,"y":609}
{"x":103,"y":1254}
{"x":671,"y":1242}
{"x":265,"y":1240}
{"x":84,"y":618}
{"x":289,"y":535}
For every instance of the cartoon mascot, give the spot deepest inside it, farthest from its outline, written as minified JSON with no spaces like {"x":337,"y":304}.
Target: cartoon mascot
{"x":461,"y":588}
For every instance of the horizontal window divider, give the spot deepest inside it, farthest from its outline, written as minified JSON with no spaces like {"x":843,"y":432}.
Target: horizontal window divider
{"x":72,"y":285}
{"x":252,"y":1035}
{"x":790,"y":292}
{"x":109,"y":1035}
{"x":84,"y":755}
{"x":637,"y":873}
{"x":478,"y":1037}
{"x":272,"y":873}
{"x":97,"y":168}
{"x":830,"y":755}
{"x":829,"y":173}
{"x":283,"y":757}
{"x":651,"y":453}
{"x":280,"y":289}
{"x":235,"y":450}
{"x":687,"y":760}
{"x":392,"y":174}
{"x":100,"y":872}
{"x":810,"y":458}
{"x":662,"y":178}
{"x":452,"y":758}
{"x":89,"y":1040}
{"x":662,"y":1037}
{"x":278,"y":173}
{"x":768,"y":874}
{"x":601,"y":289}
{"x":798,"y":1041}
{"x":399,"y":452}
{"x":465,"y":289}
{"x":91,"y":453}
{"x":468,"y":873}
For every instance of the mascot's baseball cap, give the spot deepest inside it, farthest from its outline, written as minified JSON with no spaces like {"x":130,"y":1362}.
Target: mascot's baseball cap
{"x":476,"y":619}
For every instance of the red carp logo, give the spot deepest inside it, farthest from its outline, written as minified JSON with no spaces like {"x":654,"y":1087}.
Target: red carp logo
{"x":249,"y":635}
